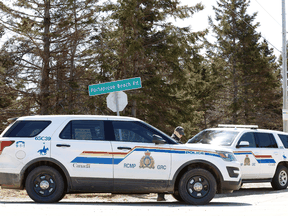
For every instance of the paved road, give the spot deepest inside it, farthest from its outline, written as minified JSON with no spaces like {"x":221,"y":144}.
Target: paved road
{"x":252,"y":199}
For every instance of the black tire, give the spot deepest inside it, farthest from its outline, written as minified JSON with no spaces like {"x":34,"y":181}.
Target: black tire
{"x":197,"y":186}
{"x":280,"y":179}
{"x":45,"y":184}
{"x":177,"y":196}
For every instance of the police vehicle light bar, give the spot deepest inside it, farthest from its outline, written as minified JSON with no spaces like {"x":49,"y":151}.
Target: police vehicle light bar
{"x":238,"y":126}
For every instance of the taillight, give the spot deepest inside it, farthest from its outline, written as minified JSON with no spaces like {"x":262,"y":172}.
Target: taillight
{"x":4,"y":144}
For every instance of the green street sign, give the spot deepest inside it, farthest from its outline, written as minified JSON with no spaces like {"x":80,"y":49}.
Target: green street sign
{"x":120,"y":85}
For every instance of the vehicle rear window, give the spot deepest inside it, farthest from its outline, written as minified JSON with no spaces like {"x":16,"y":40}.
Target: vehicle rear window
{"x":83,"y":130}
{"x":284,"y":139}
{"x":127,"y":131}
{"x":26,"y":128}
{"x":265,"y":140}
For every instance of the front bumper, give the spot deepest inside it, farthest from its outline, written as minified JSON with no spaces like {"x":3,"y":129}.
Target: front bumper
{"x":230,"y":186}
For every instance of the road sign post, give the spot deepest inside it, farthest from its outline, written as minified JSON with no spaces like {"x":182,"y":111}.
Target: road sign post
{"x":117,"y":104}
{"x":117,"y":99}
{"x":284,"y":67}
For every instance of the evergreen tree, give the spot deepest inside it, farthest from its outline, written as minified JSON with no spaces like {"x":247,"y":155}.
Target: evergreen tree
{"x":73,"y":28}
{"x":143,"y":44}
{"x":50,"y":41}
{"x":248,"y":70}
{"x":8,"y":103}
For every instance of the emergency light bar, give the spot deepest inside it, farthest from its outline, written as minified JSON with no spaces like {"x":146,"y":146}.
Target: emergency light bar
{"x":238,"y":126}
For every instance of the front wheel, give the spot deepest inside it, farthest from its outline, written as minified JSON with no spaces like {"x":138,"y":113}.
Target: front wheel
{"x":280,"y":179}
{"x":45,"y":184}
{"x":177,"y":196}
{"x":197,"y":186}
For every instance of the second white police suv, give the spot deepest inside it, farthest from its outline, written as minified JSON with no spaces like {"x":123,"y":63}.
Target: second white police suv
{"x":51,"y":156}
{"x":261,"y":153}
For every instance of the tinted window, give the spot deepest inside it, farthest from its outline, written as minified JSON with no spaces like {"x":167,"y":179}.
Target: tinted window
{"x":284,"y":139}
{"x":83,"y":130}
{"x":131,"y":132}
{"x":26,"y":128}
{"x":66,"y":132}
{"x":265,"y":140}
{"x":249,"y":137}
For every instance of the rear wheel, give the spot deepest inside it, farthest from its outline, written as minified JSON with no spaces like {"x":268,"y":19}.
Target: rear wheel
{"x":280,"y":179}
{"x":197,"y":186}
{"x":45,"y":184}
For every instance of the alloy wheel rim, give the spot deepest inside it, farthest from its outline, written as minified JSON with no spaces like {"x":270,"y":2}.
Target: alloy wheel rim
{"x":283,"y":178}
{"x":198,"y":187}
{"x":44,"y":185}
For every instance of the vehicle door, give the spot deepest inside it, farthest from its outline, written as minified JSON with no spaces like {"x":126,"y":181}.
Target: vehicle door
{"x":81,"y":147}
{"x":284,"y":147}
{"x":247,"y":156}
{"x":137,"y":158}
{"x":269,"y":154}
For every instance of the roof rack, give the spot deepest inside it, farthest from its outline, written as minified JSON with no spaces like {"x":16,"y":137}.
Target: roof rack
{"x":11,"y":120}
{"x":238,"y":126}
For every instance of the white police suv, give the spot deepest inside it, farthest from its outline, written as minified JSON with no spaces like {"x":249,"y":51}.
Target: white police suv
{"x":261,"y":153}
{"x":52,"y":156}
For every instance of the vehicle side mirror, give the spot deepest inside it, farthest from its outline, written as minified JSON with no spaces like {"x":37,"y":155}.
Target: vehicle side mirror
{"x":158,"y":139}
{"x":243,"y":144}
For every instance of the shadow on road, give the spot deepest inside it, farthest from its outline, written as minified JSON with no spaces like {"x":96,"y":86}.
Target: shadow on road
{"x":252,"y":191}
{"x":148,"y":201}
{"x":130,"y":204}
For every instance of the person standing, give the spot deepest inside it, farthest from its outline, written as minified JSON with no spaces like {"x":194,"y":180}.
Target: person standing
{"x":177,"y":135}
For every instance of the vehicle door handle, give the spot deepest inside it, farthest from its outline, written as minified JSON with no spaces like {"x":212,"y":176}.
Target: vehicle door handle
{"x":124,"y":148}
{"x":63,"y":145}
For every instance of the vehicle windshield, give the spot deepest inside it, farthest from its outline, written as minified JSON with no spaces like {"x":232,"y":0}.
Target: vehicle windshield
{"x":214,"y":137}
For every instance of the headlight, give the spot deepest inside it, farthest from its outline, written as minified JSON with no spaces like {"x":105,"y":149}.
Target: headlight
{"x":227,"y":156}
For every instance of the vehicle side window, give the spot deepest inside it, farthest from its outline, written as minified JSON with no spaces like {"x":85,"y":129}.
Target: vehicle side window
{"x":249,"y":137}
{"x":83,"y":130}
{"x":26,"y":128}
{"x":284,"y":139}
{"x":265,"y":140}
{"x":128,"y":131}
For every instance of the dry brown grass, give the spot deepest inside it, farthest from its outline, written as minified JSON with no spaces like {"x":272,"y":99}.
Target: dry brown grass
{"x":22,"y":194}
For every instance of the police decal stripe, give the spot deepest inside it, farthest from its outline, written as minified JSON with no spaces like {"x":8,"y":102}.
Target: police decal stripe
{"x":93,"y":157}
{"x":259,"y":158}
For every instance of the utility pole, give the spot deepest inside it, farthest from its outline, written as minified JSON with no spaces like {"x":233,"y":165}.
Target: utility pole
{"x":284,"y":68}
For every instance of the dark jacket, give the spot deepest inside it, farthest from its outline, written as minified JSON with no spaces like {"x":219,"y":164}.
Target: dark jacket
{"x":176,"y":138}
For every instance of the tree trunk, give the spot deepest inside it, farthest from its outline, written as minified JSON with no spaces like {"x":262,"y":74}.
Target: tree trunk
{"x":44,"y":85}
{"x":134,"y":104}
{"x":234,"y":71}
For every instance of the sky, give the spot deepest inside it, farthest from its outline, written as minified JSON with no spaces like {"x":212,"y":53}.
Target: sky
{"x":269,"y":16}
